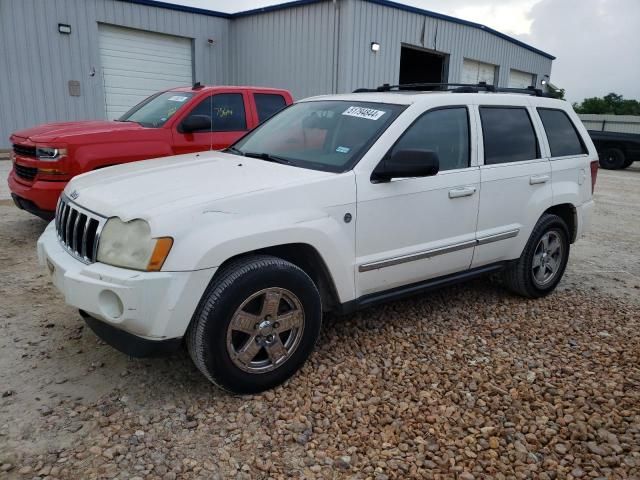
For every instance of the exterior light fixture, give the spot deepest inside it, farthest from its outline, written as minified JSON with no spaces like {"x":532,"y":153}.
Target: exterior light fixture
{"x":64,"y":28}
{"x":375,"y":47}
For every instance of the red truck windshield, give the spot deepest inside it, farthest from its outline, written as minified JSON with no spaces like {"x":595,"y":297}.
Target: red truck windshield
{"x":154,"y":111}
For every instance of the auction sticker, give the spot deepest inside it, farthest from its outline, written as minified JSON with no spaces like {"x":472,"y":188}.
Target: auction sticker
{"x":362,"y":112}
{"x":177,"y":98}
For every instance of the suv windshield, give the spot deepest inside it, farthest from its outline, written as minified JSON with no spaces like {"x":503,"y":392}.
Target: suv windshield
{"x":328,"y":135}
{"x":154,"y":111}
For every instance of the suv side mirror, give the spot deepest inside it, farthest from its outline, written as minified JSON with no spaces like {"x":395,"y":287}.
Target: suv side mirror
{"x":195,"y":123}
{"x":406,"y":163}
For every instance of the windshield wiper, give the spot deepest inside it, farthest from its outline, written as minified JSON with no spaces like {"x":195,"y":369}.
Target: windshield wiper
{"x":234,"y":150}
{"x":268,"y":157}
{"x":129,"y":121}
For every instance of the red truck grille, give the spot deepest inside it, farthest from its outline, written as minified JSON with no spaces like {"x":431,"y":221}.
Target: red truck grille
{"x":24,"y":150}
{"x":27,"y":173}
{"x":78,"y":230}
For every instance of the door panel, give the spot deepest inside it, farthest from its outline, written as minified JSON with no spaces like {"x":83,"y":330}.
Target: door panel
{"x":417,"y":227}
{"x":413,"y":229}
{"x":511,"y":201}
{"x":515,"y":186}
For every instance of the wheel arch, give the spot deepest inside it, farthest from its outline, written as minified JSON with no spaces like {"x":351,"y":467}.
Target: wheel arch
{"x":305,"y":257}
{"x":568,"y":213}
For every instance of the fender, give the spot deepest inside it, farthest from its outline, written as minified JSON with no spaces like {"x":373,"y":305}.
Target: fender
{"x":97,"y":155}
{"x":237,"y":226}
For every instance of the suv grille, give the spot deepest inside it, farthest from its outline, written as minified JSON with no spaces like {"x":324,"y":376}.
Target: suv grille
{"x":24,"y":150}
{"x":78,"y":230}
{"x":27,"y":173}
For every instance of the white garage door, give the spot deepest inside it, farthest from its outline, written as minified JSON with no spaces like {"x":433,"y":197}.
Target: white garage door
{"x":518,"y":79}
{"x":475,"y":72}
{"x":136,"y":64}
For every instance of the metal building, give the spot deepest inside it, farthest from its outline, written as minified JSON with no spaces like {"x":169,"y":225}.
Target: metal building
{"x":93,"y":59}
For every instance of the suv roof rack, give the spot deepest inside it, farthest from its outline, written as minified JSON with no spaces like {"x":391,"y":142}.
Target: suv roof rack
{"x":455,"y":88}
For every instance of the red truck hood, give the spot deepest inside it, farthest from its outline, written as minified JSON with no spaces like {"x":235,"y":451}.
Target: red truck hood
{"x":62,"y":131}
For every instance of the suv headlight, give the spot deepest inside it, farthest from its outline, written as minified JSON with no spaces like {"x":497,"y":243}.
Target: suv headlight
{"x":50,"y":154}
{"x":129,"y":245}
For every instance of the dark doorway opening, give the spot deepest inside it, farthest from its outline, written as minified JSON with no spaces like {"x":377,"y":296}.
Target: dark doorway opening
{"x":420,"y":66}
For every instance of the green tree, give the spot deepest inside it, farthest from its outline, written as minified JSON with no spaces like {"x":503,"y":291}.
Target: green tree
{"x":611,"y":103}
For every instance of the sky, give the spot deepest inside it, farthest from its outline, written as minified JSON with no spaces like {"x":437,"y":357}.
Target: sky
{"x":595,"y":41}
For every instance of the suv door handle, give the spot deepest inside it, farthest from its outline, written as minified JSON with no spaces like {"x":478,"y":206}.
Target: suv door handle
{"x":462,"y":192}
{"x":539,"y":179}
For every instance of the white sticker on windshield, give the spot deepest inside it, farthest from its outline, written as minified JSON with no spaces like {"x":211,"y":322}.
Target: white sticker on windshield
{"x":361,"y":112}
{"x":177,"y":98}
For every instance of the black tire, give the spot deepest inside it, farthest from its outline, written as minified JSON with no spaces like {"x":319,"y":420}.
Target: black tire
{"x":627,"y":163}
{"x":211,"y":336}
{"x":519,"y":276}
{"x":612,"y":158}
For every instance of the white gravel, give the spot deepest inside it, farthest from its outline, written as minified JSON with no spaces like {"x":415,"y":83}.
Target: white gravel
{"x":469,"y":382}
{"x":5,"y":168}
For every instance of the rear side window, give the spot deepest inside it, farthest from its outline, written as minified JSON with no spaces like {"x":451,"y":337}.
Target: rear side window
{"x":226,"y":111}
{"x":561,"y":133}
{"x":508,"y":135}
{"x":268,"y":104}
{"x":445,"y":132}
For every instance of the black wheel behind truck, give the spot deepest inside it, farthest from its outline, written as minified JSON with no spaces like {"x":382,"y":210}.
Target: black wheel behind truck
{"x":616,"y":150}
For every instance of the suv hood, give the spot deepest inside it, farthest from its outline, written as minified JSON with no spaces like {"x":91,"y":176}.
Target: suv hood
{"x":153,"y":187}
{"x":61,"y":131}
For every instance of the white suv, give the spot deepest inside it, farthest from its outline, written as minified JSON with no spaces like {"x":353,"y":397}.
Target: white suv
{"x":334,"y":204}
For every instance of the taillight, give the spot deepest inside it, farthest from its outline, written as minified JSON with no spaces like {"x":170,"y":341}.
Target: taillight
{"x":594,"y":175}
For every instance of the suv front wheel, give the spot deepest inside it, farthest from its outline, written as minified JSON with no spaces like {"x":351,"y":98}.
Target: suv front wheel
{"x":256,"y":325}
{"x":540,"y":267}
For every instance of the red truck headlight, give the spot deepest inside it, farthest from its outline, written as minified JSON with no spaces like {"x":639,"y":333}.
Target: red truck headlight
{"x":50,"y":154}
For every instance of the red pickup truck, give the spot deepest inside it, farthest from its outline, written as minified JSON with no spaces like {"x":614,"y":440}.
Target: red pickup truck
{"x":181,"y":120}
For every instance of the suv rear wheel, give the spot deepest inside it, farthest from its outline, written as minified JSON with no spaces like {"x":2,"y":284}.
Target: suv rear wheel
{"x":612,"y":158}
{"x":256,"y":325}
{"x":540,"y":267}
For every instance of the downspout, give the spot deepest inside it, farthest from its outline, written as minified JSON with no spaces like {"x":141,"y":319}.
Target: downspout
{"x":336,"y":46}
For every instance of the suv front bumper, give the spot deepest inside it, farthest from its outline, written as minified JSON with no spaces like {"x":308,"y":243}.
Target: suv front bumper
{"x":138,"y":313}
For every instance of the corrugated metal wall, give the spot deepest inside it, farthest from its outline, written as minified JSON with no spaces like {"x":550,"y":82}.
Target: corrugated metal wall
{"x":292,"y":48}
{"x":37,"y":61}
{"x":311,"y":49}
{"x":365,"y":22}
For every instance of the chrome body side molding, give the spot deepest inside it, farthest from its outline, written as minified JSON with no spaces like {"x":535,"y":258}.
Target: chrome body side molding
{"x":412,"y":257}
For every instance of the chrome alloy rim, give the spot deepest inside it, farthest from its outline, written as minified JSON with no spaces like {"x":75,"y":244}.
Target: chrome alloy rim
{"x":547,"y":258}
{"x":265,"y":330}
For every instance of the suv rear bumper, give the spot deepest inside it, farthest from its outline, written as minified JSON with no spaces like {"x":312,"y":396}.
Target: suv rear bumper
{"x":584,"y":213}
{"x":39,"y":198}
{"x":128,"y":309}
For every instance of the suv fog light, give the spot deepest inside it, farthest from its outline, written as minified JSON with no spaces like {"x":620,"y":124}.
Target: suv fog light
{"x":110,"y":304}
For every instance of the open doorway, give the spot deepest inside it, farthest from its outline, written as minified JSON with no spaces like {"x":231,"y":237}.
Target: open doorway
{"x":421,"y":66}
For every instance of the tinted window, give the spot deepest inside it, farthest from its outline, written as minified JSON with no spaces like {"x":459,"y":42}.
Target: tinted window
{"x":268,"y":105}
{"x":445,"y":132}
{"x":226,"y":111}
{"x":562,"y":135}
{"x":508,"y":135}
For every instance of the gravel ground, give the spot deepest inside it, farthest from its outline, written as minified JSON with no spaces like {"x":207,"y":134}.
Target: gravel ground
{"x":469,"y":382}
{"x":5,"y":168}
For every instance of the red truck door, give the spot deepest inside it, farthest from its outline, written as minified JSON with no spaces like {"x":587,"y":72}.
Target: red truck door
{"x":231,"y":117}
